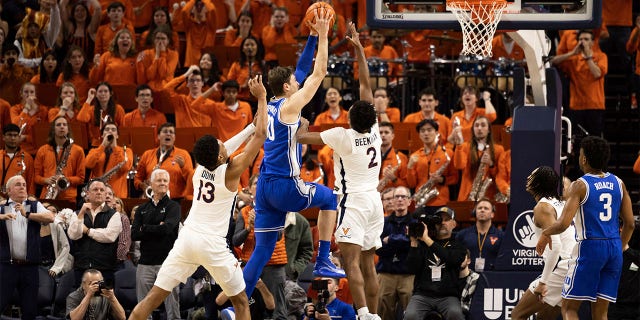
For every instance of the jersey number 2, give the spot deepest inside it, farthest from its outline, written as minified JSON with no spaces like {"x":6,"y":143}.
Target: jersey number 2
{"x":606,"y":199}
{"x":373,"y":162}
{"x":206,"y":191}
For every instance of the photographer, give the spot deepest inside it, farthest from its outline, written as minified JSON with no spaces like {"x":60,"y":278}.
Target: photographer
{"x":435,"y":259}
{"x":94,"y":299}
{"x":327,"y":305}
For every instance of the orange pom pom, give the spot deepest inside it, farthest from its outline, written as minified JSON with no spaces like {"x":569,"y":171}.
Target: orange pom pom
{"x":309,"y":16}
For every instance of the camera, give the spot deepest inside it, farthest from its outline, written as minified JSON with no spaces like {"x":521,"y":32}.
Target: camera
{"x":416,"y":229}
{"x":102,"y":285}
{"x":322,"y":286}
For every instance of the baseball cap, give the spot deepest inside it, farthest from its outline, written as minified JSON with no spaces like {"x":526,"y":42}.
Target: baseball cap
{"x":448,"y":211}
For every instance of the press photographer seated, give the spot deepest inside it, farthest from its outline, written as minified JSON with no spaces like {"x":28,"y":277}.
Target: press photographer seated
{"x":94,"y":299}
{"x":325,"y":304}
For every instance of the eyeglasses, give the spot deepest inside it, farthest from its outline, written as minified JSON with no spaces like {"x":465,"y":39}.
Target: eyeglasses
{"x":401,"y":196}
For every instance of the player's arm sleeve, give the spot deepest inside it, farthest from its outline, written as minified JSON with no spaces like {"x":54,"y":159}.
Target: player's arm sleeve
{"x":306,"y":59}
{"x":552,"y":258}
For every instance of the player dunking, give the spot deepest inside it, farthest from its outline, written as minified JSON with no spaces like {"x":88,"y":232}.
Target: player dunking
{"x":596,"y":200}
{"x":280,"y":188}
{"x":544,"y":296}
{"x":357,"y":166}
{"x":203,"y":238}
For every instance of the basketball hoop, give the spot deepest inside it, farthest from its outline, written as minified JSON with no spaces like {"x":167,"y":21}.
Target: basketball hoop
{"x":479,"y":20}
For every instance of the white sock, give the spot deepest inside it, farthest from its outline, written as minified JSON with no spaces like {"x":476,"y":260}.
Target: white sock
{"x":363,"y":311}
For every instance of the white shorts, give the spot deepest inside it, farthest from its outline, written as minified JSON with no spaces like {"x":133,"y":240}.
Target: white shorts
{"x":360,"y":219}
{"x":554,"y":285}
{"x":193,"y":249}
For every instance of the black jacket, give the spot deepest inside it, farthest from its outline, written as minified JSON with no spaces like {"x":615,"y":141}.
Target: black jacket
{"x":448,"y":254}
{"x":156,"y":240}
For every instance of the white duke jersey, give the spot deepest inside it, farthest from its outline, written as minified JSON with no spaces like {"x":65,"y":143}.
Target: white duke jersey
{"x":356,"y":158}
{"x":281,"y":148}
{"x":567,"y":238}
{"x":212,"y":204}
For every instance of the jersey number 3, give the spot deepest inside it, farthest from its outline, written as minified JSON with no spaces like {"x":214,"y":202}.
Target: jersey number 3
{"x":206,"y":191}
{"x":606,"y":199}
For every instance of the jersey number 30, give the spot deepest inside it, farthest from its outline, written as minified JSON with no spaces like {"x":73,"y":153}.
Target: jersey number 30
{"x":206,"y":191}
{"x":270,"y":131}
{"x":606,"y":199}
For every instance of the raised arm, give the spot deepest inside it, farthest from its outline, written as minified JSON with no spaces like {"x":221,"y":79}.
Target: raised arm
{"x":244,"y":159}
{"x":306,"y":59}
{"x":292,"y":106}
{"x":363,"y":68}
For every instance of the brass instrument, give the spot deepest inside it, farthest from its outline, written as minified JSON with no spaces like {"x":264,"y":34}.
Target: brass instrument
{"x":61,"y":182}
{"x":384,"y":181}
{"x":481,"y":182}
{"x":428,"y":190}
{"x":502,"y":198}
{"x":148,"y":192}
{"x":107,"y":175}
{"x":23,"y":166}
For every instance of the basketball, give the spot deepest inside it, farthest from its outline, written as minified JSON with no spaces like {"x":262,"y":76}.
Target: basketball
{"x":309,"y":16}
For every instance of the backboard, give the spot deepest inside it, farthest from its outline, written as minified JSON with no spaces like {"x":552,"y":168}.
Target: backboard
{"x":519,"y":14}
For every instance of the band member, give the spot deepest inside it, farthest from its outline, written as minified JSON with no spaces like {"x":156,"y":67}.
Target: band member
{"x":478,"y":159}
{"x":430,"y":170}
{"x":16,"y":161}
{"x":109,"y":162}
{"x":59,"y":164}
{"x":175,"y":160}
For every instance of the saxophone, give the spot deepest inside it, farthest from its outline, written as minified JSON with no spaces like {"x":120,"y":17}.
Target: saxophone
{"x":428,"y":190}
{"x":384,"y":181}
{"x":107,"y":175}
{"x":480,"y":183}
{"x":502,"y":198}
{"x":61,"y":182}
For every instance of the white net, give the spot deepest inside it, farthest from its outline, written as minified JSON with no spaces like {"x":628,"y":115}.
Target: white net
{"x":479,"y":20}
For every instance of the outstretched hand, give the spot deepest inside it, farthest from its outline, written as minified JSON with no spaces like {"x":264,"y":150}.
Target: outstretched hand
{"x":257,"y":88}
{"x":321,"y":22}
{"x":353,"y":36}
